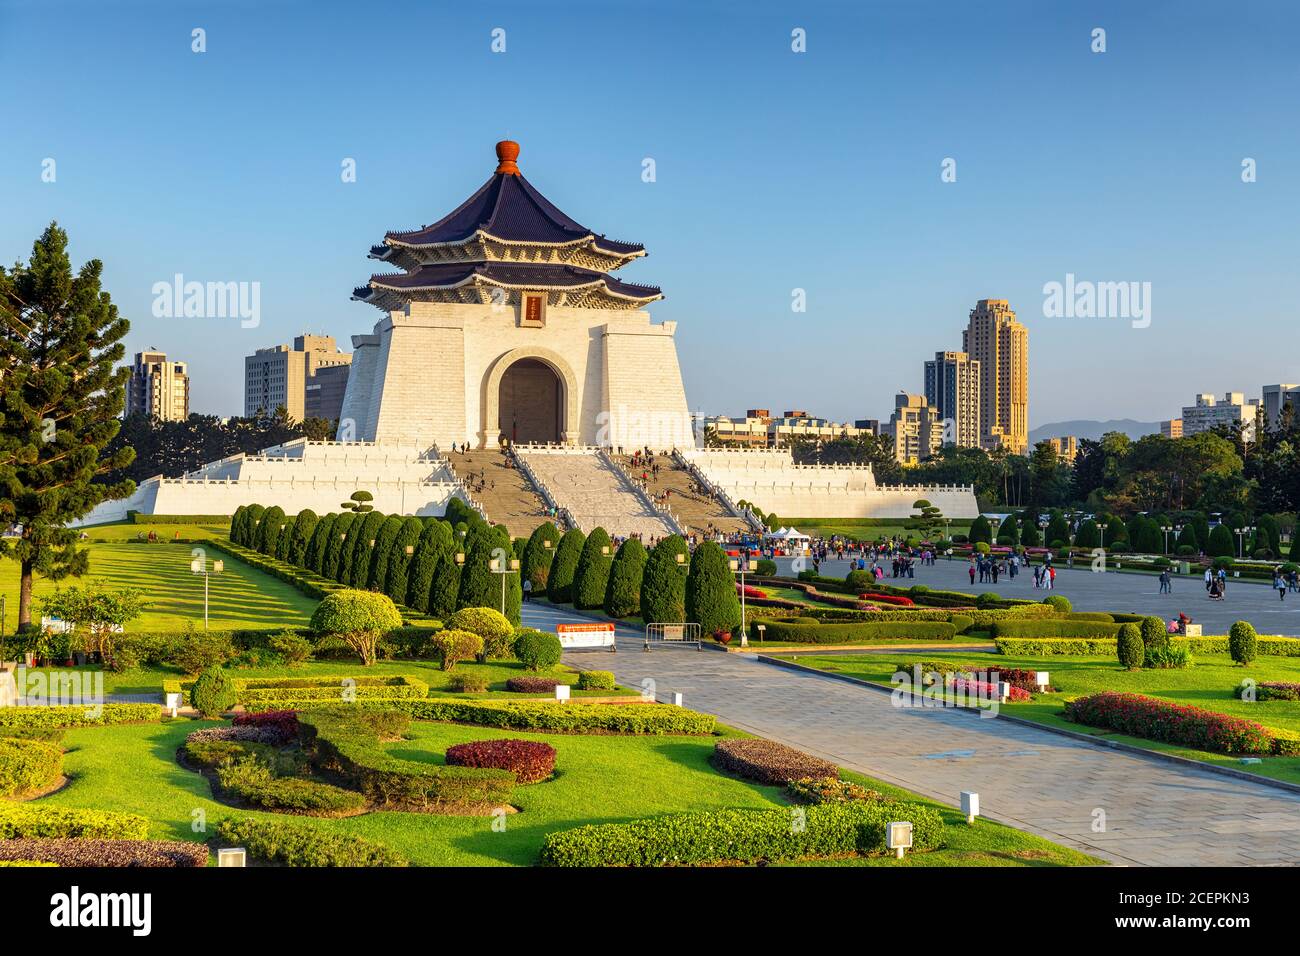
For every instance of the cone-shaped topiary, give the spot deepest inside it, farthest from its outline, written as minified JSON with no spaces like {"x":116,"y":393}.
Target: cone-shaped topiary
{"x":366,"y":537}
{"x":444,"y":589}
{"x":1129,"y":646}
{"x":237,"y":521}
{"x":213,"y":693}
{"x":1155,"y":635}
{"x":663,"y":583}
{"x":303,"y":527}
{"x":538,"y":555}
{"x":1221,"y":542}
{"x":1088,"y":537}
{"x":314,"y":553}
{"x":980,"y":530}
{"x":560,"y":586}
{"x":399,"y":562}
{"x":1187,"y":538}
{"x":268,"y":531}
{"x":1243,"y":642}
{"x":623,"y":590}
{"x":385,"y":538}
{"x":592,"y":573}
{"x":335,"y":547}
{"x":711,"y":598}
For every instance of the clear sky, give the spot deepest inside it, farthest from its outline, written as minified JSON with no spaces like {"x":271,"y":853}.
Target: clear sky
{"x":775,"y":170}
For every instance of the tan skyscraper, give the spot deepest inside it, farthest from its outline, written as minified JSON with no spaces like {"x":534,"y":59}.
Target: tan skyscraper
{"x":306,"y":379}
{"x":1001,"y":345}
{"x":158,"y":388}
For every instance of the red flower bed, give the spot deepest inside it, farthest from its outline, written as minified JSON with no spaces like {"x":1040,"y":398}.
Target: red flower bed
{"x":989,"y":690}
{"x":895,"y":599}
{"x":1173,"y":723}
{"x":283,"y":722}
{"x":531,"y":760}
{"x":750,"y":592}
{"x":534,"y":685}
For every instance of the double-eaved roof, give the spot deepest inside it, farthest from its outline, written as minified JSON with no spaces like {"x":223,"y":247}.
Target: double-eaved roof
{"x":510,"y":236}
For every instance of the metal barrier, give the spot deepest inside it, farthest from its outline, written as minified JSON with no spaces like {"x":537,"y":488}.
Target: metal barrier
{"x":672,"y":634}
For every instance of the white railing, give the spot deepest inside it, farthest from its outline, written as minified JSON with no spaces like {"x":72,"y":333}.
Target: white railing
{"x":718,"y":493}
{"x":641,"y":494}
{"x":563,"y":514}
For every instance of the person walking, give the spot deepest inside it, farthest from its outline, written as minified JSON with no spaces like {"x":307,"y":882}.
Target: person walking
{"x":971,"y":570}
{"x":1280,"y":584}
{"x":1164,"y":581}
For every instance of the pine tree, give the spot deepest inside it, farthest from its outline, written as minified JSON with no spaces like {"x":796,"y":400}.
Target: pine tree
{"x":303,"y":527}
{"x":538,"y":554}
{"x":444,"y":590}
{"x":237,"y":521}
{"x":560,"y":587}
{"x":623,"y":591}
{"x":1088,"y":535}
{"x":592,"y":573}
{"x":60,"y":397}
{"x":1058,"y":529}
{"x":663,"y":583}
{"x":435,"y":544}
{"x":359,"y":565}
{"x":1187,"y":538}
{"x":380,"y":554}
{"x":478,"y":585}
{"x":1009,"y":532}
{"x":274,"y":523}
{"x":980,"y":530}
{"x":711,"y":599}
{"x":1222,"y":544}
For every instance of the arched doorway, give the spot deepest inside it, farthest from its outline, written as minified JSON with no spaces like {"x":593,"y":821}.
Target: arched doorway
{"x":531,"y":402}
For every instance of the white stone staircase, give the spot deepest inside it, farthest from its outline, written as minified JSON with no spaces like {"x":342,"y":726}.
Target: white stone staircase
{"x":595,"y":492}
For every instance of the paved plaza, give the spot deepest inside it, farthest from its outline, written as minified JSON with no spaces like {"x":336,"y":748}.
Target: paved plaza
{"x":1117,"y":591}
{"x":1155,"y":813}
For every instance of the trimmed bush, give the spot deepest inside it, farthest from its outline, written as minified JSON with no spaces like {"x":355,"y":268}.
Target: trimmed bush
{"x":1221,"y":544}
{"x":36,"y":718}
{"x":534,"y":685}
{"x":337,"y":546}
{"x":711,"y":599}
{"x":809,"y":631}
{"x":360,"y":618}
{"x":396,"y":580}
{"x":468,"y":683}
{"x":313,"y":555}
{"x":591,"y":576}
{"x":538,"y":650}
{"x":290,"y":646}
{"x":27,"y":766}
{"x":381,"y":554}
{"x":291,"y":844}
{"x":858,"y":580}
{"x":560,"y":585}
{"x":272,"y":524}
{"x":1054,"y":628}
{"x":213,"y":692}
{"x":454,"y":646}
{"x":596,"y":680}
{"x":1130,"y":647}
{"x":490,"y":625}
{"x":536,"y":561}
{"x":663,"y":583}
{"x":745,"y":836}
{"x":531,"y":761}
{"x":1154,"y":719}
{"x":43,"y":821}
{"x":252,"y":781}
{"x":1155,"y":635}
{"x":768,"y":761}
{"x":1059,"y":603}
{"x":623,"y":590}
{"x":105,"y":853}
{"x":1243,"y":643}
{"x":1102,"y":647}
{"x":293,"y":547}
{"x":445,"y":588}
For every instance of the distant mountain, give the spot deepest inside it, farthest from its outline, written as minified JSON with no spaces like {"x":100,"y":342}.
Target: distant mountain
{"x":1094,"y":430}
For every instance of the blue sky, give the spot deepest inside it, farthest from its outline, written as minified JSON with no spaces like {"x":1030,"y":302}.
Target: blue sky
{"x":775,"y":171}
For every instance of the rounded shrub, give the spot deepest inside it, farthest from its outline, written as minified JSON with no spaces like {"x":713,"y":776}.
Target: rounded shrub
{"x":765,"y":567}
{"x":213,"y":693}
{"x":623,"y":589}
{"x":268,"y":531}
{"x":530,"y":760}
{"x":454,"y":646}
{"x":859,"y":581}
{"x":591,"y":576}
{"x":488,"y":623}
{"x":1222,"y":544}
{"x":1131,"y":650}
{"x":1155,"y":635}
{"x":539,"y":552}
{"x":1059,"y":603}
{"x":360,"y":618}
{"x":538,"y":650}
{"x":663,"y":583}
{"x":1243,"y":642}
{"x":596,"y":680}
{"x":28,"y":765}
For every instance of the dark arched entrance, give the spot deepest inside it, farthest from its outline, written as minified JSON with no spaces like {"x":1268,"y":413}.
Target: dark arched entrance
{"x":531,"y":402}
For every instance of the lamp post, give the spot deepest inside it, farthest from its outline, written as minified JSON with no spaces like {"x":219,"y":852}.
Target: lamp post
{"x":503,"y":567}
{"x":743,"y":566}
{"x":1166,"y":529}
{"x":199,"y":565}
{"x":1241,"y":533}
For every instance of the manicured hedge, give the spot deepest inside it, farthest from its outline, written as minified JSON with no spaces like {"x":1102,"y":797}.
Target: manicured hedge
{"x":260,"y":690}
{"x":1155,"y":719}
{"x":104,"y":715}
{"x":742,"y":835}
{"x":291,"y":844}
{"x":27,"y":765}
{"x":596,"y":680}
{"x":42,"y":821}
{"x":254,"y":783}
{"x":808,"y":631}
{"x":545,"y":716}
{"x":348,"y":743}
{"x":1104,"y":647}
{"x":1055,"y":628}
{"x":769,"y":762}
{"x":534,"y":685}
{"x":111,"y":853}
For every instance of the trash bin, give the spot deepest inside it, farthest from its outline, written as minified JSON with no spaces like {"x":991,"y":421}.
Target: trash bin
{"x":1184,"y":567}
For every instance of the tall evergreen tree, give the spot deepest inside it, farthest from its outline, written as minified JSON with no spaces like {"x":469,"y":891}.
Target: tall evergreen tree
{"x":273,"y":524}
{"x":1222,"y":542}
{"x":560,"y":586}
{"x":538,"y":554}
{"x":980,"y":530}
{"x":1188,"y":537}
{"x":61,"y":393}
{"x":1058,"y":529}
{"x":444,"y":590}
{"x":396,"y":582}
{"x":434,"y":545}
{"x":711,"y":599}
{"x":663,"y":583}
{"x":592,"y":573}
{"x":366,"y":532}
{"x":337,"y":545}
{"x":380,"y":554}
{"x":237,"y":523}
{"x":314,"y":555}
{"x":295,"y":546}
{"x":623,"y":591}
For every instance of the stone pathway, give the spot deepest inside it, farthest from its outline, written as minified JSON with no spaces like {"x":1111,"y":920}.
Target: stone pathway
{"x":1155,"y":813}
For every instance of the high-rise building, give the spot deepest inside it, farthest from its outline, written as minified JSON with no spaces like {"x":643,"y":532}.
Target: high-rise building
{"x":158,"y":388}
{"x":915,"y":427}
{"x":1209,"y":413}
{"x":306,"y":379}
{"x":1066,"y":448}
{"x":1173,"y":428}
{"x":952,"y":388}
{"x":1278,"y":397}
{"x":1001,"y":345}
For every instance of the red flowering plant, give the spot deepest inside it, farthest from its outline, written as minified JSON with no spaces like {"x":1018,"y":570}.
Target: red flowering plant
{"x":1156,"y":719}
{"x":988,"y":690}
{"x":530,"y":760}
{"x":284,"y":723}
{"x":751,"y":592}
{"x":895,"y":599}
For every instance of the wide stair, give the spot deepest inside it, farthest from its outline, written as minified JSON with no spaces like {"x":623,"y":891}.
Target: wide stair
{"x":596,"y":492}
{"x":505,"y":493}
{"x":696,"y":510}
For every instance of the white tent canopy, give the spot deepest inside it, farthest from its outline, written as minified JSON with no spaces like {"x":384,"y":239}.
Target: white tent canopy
{"x":787,"y":534}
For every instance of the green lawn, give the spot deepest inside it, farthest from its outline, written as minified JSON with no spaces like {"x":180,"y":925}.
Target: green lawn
{"x":240,"y":597}
{"x":861,"y":529}
{"x":598,"y":779}
{"x":1209,"y":684}
{"x":127,"y":531}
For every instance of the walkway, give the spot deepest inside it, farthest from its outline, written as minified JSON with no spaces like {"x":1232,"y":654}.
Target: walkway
{"x":1155,"y":813}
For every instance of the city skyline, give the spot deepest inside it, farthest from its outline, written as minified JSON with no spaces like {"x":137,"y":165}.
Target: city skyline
{"x":174,"y":167}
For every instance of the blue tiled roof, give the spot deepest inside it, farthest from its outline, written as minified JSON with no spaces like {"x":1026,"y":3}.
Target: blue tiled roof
{"x":526,"y":275}
{"x":508,"y":207}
